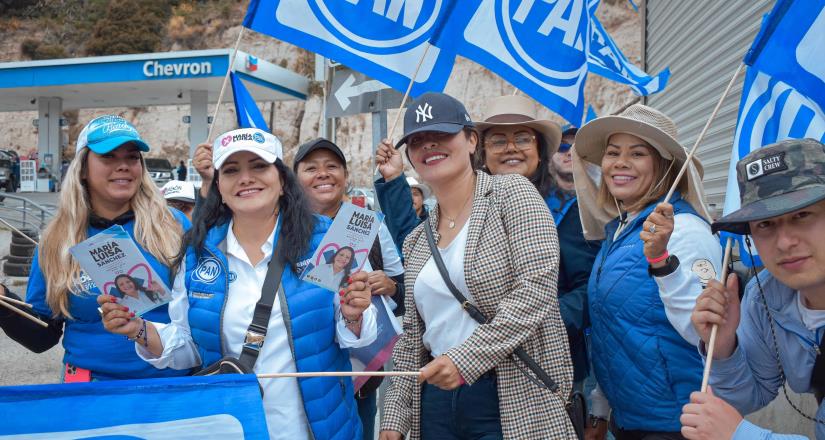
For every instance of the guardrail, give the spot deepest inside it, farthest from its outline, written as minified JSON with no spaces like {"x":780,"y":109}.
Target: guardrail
{"x":25,"y":212}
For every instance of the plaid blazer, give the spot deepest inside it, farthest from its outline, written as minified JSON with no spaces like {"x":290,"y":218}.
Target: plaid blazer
{"x":511,"y":265}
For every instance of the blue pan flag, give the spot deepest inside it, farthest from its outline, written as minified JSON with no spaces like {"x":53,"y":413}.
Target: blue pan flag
{"x":246,"y":110}
{"x":784,"y":89}
{"x":193,"y":407}
{"x":383,"y":39}
{"x":606,"y":59}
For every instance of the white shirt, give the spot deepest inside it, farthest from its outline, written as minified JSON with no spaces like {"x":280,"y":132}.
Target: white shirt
{"x":447,"y":325}
{"x":813,"y":319}
{"x":700,"y":260}
{"x":389,"y":252}
{"x":282,"y":399}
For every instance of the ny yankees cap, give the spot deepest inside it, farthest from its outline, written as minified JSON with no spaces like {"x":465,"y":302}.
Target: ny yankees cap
{"x":434,"y":112}
{"x":254,"y":140}
{"x":775,"y":180}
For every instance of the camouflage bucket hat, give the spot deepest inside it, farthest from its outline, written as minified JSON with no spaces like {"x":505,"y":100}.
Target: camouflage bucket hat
{"x":775,"y":180}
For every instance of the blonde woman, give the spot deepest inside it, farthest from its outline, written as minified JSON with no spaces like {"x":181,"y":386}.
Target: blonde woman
{"x":106,"y":184}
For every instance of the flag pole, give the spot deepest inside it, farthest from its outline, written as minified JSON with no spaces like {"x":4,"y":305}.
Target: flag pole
{"x":341,"y":374}
{"x":18,"y":231}
{"x":15,"y":301}
{"x":21,"y":313}
{"x":407,"y":93}
{"x":702,"y":134}
{"x":223,"y":86}
{"x":715,"y":328}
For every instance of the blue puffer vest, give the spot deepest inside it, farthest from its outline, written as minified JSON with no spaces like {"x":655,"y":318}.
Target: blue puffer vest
{"x":308,"y":313}
{"x":645,"y":368}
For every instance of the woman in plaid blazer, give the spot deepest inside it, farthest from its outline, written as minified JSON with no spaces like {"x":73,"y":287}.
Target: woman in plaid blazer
{"x":507,"y":265}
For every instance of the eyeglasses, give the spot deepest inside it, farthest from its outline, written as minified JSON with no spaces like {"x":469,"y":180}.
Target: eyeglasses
{"x":564,"y":147}
{"x":498,"y":142}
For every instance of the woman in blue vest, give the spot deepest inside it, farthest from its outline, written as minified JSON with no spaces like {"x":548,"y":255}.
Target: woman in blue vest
{"x":648,"y":272}
{"x":106,"y":184}
{"x":254,"y":202}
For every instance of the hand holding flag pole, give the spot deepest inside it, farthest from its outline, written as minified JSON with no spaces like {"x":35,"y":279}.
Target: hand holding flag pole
{"x":715,"y":328}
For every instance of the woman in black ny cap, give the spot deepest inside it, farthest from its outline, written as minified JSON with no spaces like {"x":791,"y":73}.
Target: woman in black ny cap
{"x":499,"y":248}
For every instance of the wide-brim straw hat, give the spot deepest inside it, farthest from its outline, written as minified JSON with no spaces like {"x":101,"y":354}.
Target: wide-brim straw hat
{"x":645,"y":123}
{"x":518,"y":111}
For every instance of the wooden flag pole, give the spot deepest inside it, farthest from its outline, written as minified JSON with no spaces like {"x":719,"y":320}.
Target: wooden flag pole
{"x":18,"y":231}
{"x":21,"y":313}
{"x":702,"y":134}
{"x":223,"y":86}
{"x":15,"y":301}
{"x":407,"y":93}
{"x":714,"y":329}
{"x":341,"y":374}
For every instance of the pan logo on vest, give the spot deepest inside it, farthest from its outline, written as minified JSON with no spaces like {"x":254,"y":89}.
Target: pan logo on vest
{"x":153,"y":69}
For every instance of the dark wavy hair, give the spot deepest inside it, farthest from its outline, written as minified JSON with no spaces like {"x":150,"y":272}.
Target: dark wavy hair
{"x":541,"y":178}
{"x":348,"y":269}
{"x":297,"y":219}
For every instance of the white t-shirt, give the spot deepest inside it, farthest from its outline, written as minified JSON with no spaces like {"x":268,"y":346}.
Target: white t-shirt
{"x":813,"y":319}
{"x":447,"y":325}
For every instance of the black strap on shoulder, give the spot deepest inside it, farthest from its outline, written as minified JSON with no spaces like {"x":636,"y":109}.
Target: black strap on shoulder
{"x":477,"y":315}
{"x":256,"y":333}
{"x":818,"y":373}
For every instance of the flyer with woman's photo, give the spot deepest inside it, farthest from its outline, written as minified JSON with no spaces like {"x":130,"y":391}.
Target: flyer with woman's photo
{"x":344,"y":248}
{"x":118,"y":268}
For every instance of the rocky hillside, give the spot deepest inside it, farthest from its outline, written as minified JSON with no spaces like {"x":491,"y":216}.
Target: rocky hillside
{"x":215,"y":24}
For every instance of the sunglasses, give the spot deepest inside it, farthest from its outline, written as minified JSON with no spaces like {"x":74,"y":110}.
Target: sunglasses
{"x":564,"y":147}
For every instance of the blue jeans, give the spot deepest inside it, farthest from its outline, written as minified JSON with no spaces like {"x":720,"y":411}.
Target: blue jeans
{"x":366,"y":412}
{"x":467,"y":412}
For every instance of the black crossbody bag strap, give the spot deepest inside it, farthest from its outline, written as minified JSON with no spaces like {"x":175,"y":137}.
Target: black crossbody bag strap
{"x":476,"y":314}
{"x":818,"y":373}
{"x":256,"y":333}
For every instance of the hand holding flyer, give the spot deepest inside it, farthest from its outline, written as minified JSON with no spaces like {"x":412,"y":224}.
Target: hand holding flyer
{"x":344,"y":248}
{"x":118,"y":268}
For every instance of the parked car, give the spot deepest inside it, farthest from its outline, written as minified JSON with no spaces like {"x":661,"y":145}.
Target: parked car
{"x":6,"y":164}
{"x":159,"y":169}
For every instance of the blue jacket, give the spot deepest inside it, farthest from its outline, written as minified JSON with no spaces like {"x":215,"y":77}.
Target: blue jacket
{"x":309,"y":318}
{"x":577,"y":257}
{"x":86,"y":343}
{"x":749,"y":379}
{"x":644,"y":367}
{"x":396,"y":203}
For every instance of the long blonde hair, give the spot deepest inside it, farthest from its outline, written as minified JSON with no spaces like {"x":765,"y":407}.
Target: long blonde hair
{"x":156,"y":230}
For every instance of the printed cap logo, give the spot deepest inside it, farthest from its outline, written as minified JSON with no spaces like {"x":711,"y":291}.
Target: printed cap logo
{"x":207,"y":270}
{"x":259,"y":138}
{"x":423,"y":114}
{"x":226,"y":140}
{"x":766,"y":165}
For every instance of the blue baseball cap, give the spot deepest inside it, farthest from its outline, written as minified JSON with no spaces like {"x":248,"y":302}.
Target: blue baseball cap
{"x":108,"y":132}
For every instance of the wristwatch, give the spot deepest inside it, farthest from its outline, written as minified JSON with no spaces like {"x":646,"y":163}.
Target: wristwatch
{"x":671,"y":264}
{"x":593,"y":421}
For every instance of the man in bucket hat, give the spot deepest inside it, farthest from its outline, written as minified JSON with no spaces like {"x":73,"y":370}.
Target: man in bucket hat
{"x":776,"y":336}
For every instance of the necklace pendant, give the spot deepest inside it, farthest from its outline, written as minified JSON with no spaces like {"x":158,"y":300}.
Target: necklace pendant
{"x":451,"y":225}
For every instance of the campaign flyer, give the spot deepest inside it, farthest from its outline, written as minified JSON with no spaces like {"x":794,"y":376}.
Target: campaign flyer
{"x":116,"y":265}
{"x":344,"y":248}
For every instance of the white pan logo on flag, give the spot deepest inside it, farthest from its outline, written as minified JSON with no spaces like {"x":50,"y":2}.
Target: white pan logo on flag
{"x":530,"y":25}
{"x":415,"y":18}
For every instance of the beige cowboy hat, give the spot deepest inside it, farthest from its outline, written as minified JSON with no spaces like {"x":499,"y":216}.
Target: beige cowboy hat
{"x":643,"y":122}
{"x":520,"y":110}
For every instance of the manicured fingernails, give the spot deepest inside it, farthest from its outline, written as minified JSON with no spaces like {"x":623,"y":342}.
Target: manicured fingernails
{"x":342,"y":302}
{"x":341,"y":292}
{"x":125,"y":309}
{"x":349,"y":280}
{"x":114,"y":300}
{"x":132,"y":315}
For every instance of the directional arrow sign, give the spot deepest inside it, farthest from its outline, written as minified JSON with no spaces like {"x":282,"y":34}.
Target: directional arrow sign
{"x":354,"y":93}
